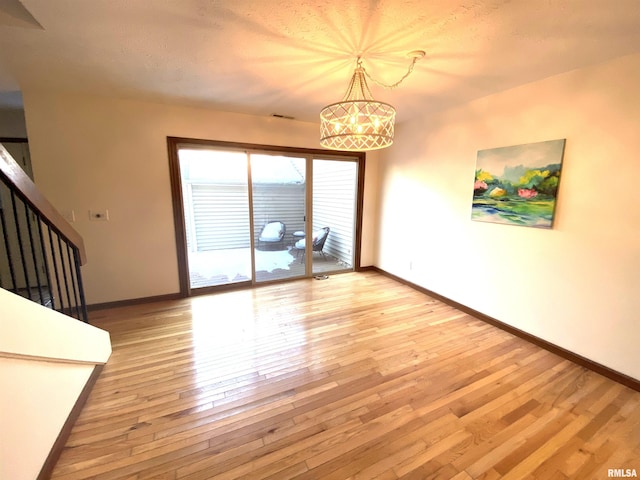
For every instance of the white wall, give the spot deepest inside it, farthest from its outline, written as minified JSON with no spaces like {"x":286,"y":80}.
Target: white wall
{"x":46,"y":359}
{"x":575,"y":285}
{"x":91,"y":152}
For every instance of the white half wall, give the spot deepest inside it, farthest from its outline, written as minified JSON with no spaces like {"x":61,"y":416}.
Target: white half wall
{"x":28,"y":329}
{"x":36,"y":399}
{"x":46,"y":359}
{"x":99,"y":153}
{"x":576,"y":285}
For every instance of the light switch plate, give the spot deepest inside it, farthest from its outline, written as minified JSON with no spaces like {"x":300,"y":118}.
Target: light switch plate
{"x":70,"y":216}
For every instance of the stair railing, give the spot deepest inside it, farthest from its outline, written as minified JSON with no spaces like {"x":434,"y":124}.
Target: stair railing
{"x":40,"y":252}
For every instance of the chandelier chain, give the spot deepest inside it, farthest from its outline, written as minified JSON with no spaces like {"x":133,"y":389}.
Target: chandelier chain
{"x":393,"y":85}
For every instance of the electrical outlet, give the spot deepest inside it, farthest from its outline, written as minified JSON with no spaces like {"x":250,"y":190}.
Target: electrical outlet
{"x":99,"y":215}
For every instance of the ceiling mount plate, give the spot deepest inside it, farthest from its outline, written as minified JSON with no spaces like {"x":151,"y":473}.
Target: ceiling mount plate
{"x":417,"y":54}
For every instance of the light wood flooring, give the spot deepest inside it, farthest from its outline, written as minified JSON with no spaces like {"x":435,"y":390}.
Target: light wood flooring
{"x":353,"y":377}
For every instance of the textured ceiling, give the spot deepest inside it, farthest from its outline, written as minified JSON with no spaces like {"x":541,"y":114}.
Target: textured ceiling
{"x":291,"y":57}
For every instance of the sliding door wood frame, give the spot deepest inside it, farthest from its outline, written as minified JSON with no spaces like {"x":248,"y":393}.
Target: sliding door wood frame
{"x":174,"y":143}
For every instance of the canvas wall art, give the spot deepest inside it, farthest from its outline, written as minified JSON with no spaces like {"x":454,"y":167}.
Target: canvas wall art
{"x":518,"y":185}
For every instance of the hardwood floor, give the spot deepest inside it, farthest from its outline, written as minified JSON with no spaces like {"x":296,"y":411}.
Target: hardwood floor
{"x":353,"y":377}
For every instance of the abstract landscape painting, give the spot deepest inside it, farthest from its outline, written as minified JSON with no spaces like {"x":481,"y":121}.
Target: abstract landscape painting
{"x":518,"y":185}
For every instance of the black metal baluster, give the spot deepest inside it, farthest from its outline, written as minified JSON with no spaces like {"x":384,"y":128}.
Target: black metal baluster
{"x":21,"y":247}
{"x":8,"y":249}
{"x":83,"y":302}
{"x":46,"y":263}
{"x":33,"y":253}
{"x":55,"y":267}
{"x":73,"y":281}
{"x":64,"y":272}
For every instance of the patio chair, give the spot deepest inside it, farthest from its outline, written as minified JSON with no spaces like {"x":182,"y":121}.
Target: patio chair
{"x":319,"y":237}
{"x":272,"y":234}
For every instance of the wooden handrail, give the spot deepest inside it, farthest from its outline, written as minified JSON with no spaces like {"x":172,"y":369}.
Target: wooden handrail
{"x":14,"y":174}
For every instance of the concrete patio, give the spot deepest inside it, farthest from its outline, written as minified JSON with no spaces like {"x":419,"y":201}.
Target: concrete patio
{"x":221,"y":267}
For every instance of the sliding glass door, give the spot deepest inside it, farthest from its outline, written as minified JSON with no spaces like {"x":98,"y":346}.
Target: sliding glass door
{"x":215,"y":190}
{"x":335,"y":184}
{"x":278,"y":198}
{"x":250,"y":215}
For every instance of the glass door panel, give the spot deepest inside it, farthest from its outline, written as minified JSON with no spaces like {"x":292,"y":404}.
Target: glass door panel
{"x":216,"y":210}
{"x":335,"y":185}
{"x":278,"y":186}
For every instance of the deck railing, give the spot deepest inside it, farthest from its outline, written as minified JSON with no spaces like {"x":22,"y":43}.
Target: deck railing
{"x":40,"y":252}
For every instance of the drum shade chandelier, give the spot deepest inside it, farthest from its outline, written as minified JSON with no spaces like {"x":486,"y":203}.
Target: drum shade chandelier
{"x":358,"y":122}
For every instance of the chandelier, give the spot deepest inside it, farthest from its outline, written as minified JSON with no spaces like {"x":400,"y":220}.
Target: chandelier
{"x":358,"y":122}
